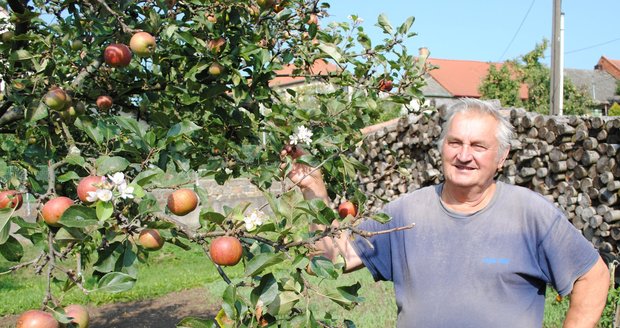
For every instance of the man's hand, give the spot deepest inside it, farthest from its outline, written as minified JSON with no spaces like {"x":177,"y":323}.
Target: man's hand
{"x":309,"y":179}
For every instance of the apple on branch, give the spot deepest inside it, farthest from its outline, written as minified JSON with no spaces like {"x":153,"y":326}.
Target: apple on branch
{"x":54,"y":209}
{"x":226,"y":251}
{"x":182,"y":201}
{"x":151,"y":239}
{"x":36,"y":319}
{"x":104,"y":102}
{"x":10,"y":198}
{"x":142,"y":44}
{"x":117,"y":55}
{"x":79,"y":315}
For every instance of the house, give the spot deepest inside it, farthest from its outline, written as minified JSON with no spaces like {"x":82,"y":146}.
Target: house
{"x":462,"y":78}
{"x":458,"y":78}
{"x":610,"y":66}
{"x":286,"y":79}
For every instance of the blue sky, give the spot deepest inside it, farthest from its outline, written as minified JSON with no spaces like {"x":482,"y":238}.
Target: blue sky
{"x":482,"y":30}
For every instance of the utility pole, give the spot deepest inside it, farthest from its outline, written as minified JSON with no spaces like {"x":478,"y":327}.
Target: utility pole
{"x":557,"y":68}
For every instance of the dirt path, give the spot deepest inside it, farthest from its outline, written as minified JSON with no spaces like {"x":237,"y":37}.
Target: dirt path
{"x":162,"y":312}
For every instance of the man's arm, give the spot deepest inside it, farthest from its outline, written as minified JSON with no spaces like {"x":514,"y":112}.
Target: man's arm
{"x":310,"y":181}
{"x":588,"y":297}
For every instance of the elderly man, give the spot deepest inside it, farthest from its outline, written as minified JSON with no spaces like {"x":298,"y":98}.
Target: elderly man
{"x":482,"y":252}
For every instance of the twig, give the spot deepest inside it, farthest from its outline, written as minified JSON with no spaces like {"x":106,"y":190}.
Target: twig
{"x":24,"y":264}
{"x":118,"y":17}
{"x":50,"y":268}
{"x":219,"y":268}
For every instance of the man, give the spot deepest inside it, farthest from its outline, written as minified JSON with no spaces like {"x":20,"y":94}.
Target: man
{"x":482,"y":252}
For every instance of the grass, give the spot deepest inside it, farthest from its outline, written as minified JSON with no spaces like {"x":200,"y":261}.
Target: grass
{"x":173,"y":269}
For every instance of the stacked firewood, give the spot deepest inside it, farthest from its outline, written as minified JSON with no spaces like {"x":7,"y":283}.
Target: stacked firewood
{"x":571,"y":160}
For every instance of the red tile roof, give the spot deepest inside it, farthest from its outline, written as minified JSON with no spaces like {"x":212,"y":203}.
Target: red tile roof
{"x":319,"y":68}
{"x":611,"y":66}
{"x":462,"y":78}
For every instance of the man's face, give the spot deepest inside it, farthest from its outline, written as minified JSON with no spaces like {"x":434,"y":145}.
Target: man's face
{"x":469,"y":155}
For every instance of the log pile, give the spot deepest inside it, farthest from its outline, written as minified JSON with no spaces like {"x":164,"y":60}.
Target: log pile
{"x":571,"y":160}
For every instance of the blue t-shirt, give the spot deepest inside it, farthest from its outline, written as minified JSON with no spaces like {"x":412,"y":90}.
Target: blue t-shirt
{"x":487,"y":269}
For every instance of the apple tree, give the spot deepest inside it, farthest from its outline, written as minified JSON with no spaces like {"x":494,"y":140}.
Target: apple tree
{"x":105,"y":102}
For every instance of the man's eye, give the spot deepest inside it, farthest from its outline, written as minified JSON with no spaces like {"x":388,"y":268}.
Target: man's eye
{"x":479,"y":147}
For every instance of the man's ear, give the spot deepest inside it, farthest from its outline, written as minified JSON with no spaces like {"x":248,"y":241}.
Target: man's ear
{"x":502,"y":158}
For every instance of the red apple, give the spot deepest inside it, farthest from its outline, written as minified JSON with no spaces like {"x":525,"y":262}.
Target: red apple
{"x":90,"y":183}
{"x":385,"y":85}
{"x":104,"y":102}
{"x":36,"y":319}
{"x":182,"y":201}
{"x":346,"y":208}
{"x":79,"y":314}
{"x":56,"y":98}
{"x":313,"y":19}
{"x":10,"y":198}
{"x":117,"y":55}
{"x":216,"y":69}
{"x":54,"y":208}
{"x":211,"y":18}
{"x":226,"y":250}
{"x":215,"y":45}
{"x":151,"y":239}
{"x":142,"y":44}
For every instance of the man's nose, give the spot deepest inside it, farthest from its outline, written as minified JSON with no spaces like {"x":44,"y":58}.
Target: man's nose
{"x":464,"y":154}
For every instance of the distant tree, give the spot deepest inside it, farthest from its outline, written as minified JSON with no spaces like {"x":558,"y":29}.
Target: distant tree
{"x":537,"y":77}
{"x":500,"y":85}
{"x":614,"y":110}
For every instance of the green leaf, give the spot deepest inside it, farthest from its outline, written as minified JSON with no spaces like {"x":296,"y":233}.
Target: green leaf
{"x":404,"y":28}
{"x":385,"y":24}
{"x":331,"y":50}
{"x":88,"y":127}
{"x":104,"y":210}
{"x":284,"y":303}
{"x":5,"y":226}
{"x":107,"y":164}
{"x":108,"y":257}
{"x":381,"y":218}
{"x":145,"y":178}
{"x":39,"y":112}
{"x":323,"y":267}
{"x":12,"y":250}
{"x":345,"y":296}
{"x":129,"y":124}
{"x":266,"y":291}
{"x":183,"y":128}
{"x":75,"y":160}
{"x":78,"y":216}
{"x":71,"y":175}
{"x":193,"y":322}
{"x":116,"y":282}
{"x":214,"y":217}
{"x":261,"y":262}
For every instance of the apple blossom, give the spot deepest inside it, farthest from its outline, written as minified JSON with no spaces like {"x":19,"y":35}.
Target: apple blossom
{"x":255,"y":219}
{"x":125,"y":190}
{"x":303,"y":135}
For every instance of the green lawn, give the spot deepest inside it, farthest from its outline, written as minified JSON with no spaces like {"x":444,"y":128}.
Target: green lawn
{"x":173,"y":269}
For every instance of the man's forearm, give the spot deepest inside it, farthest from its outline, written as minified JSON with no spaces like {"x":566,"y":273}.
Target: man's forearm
{"x":588,"y":298}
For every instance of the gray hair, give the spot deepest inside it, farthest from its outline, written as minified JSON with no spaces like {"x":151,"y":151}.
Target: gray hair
{"x":505,"y":130}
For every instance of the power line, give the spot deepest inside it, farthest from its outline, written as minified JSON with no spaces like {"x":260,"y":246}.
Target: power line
{"x":592,"y":46}
{"x":518,"y":30}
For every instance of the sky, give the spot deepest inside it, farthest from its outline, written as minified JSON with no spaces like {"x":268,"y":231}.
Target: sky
{"x":494,"y":30}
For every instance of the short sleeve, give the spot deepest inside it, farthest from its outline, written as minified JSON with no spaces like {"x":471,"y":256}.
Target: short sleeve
{"x":376,"y":251}
{"x":565,"y":255}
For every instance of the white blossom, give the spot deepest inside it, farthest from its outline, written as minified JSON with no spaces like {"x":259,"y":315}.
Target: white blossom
{"x":100,"y":194}
{"x":255,"y":219}
{"x":117,"y":178}
{"x":104,"y":195}
{"x":303,"y":135}
{"x":91,"y":196}
{"x":125,"y":190}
